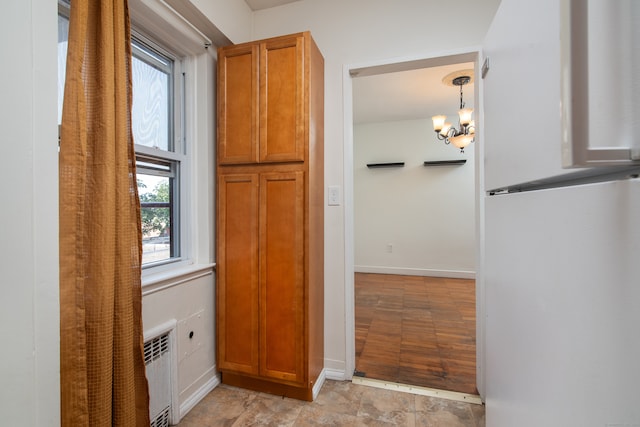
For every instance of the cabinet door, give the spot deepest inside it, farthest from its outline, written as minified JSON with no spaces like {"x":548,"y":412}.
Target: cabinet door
{"x":237,"y":273}
{"x":238,"y":105}
{"x":282,"y":276}
{"x":282,"y":98}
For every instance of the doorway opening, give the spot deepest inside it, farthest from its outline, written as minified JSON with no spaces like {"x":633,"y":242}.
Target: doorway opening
{"x":403,"y":283}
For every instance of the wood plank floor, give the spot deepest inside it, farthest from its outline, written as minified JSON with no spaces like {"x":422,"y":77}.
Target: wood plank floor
{"x":416,"y":330}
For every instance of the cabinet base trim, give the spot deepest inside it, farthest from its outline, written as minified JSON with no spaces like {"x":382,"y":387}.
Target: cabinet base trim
{"x":264,"y":386}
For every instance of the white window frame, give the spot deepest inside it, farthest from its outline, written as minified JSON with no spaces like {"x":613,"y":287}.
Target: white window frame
{"x":178,"y":154}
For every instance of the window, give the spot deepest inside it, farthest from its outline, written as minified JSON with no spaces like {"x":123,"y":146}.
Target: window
{"x":156,"y":121}
{"x":63,"y":37}
{"x":156,"y":125}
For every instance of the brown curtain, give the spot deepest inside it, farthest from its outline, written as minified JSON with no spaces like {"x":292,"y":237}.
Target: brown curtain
{"x":102,"y":368}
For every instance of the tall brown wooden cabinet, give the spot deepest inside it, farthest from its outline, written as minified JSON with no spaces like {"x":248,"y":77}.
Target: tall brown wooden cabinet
{"x":270,"y":215}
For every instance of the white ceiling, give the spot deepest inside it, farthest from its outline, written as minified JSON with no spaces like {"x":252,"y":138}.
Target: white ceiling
{"x":408,"y":95}
{"x":266,"y":4}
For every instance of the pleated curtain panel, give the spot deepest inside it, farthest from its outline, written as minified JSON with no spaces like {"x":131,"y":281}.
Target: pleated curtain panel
{"x":103,"y":379}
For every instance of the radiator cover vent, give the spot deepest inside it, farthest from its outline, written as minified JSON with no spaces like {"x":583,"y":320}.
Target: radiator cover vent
{"x":162,"y":419}
{"x":157,"y":360}
{"x":155,"y":348}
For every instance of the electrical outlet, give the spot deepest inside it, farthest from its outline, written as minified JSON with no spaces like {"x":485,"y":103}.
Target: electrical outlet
{"x":389,"y":247}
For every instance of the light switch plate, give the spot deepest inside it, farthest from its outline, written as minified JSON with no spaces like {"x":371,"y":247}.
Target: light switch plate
{"x":334,"y":195}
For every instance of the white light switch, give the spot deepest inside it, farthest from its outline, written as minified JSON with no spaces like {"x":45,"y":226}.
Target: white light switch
{"x":334,"y":195}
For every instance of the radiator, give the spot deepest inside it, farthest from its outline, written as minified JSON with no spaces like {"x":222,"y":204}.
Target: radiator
{"x":157,"y":359}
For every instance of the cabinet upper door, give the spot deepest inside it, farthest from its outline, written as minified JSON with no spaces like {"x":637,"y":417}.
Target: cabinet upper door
{"x":282,"y":100}
{"x":238,"y":104}
{"x":262,"y":93}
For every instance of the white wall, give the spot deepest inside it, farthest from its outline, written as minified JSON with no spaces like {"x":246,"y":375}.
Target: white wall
{"x":29,"y":311}
{"x":427,"y":214}
{"x":232,"y":17}
{"x":355,"y":32}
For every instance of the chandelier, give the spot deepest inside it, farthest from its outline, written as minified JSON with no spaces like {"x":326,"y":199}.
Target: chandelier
{"x":463,"y":135}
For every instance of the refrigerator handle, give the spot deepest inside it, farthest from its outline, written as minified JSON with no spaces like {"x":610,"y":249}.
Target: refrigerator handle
{"x":574,"y":60}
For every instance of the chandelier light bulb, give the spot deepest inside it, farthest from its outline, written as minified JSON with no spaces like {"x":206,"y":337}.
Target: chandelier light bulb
{"x":465,"y":116}
{"x":472,"y":127}
{"x":438,"y":122}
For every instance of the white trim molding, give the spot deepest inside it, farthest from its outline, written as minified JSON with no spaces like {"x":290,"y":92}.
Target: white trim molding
{"x":169,"y":278}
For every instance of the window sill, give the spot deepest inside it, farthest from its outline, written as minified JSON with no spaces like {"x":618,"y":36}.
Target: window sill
{"x":159,"y":281}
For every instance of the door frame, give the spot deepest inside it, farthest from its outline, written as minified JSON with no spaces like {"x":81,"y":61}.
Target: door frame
{"x":404,"y":64}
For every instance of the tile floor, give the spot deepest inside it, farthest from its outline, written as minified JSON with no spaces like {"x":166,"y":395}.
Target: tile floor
{"x":340,"y":403}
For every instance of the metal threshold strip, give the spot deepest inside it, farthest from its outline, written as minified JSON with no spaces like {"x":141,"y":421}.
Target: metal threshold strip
{"x":423,"y":391}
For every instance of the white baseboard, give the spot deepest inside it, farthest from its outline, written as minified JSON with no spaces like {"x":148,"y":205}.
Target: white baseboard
{"x":454,"y":274}
{"x":191,"y":401}
{"x":336,"y":370}
{"x":319,"y":383}
{"x":335,"y":374}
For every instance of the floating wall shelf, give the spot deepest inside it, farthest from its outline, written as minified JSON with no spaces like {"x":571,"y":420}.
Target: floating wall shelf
{"x":445,"y":162}
{"x":386,"y":165}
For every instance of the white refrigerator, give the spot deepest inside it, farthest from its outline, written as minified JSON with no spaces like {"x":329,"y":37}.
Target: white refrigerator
{"x":560,"y":277}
